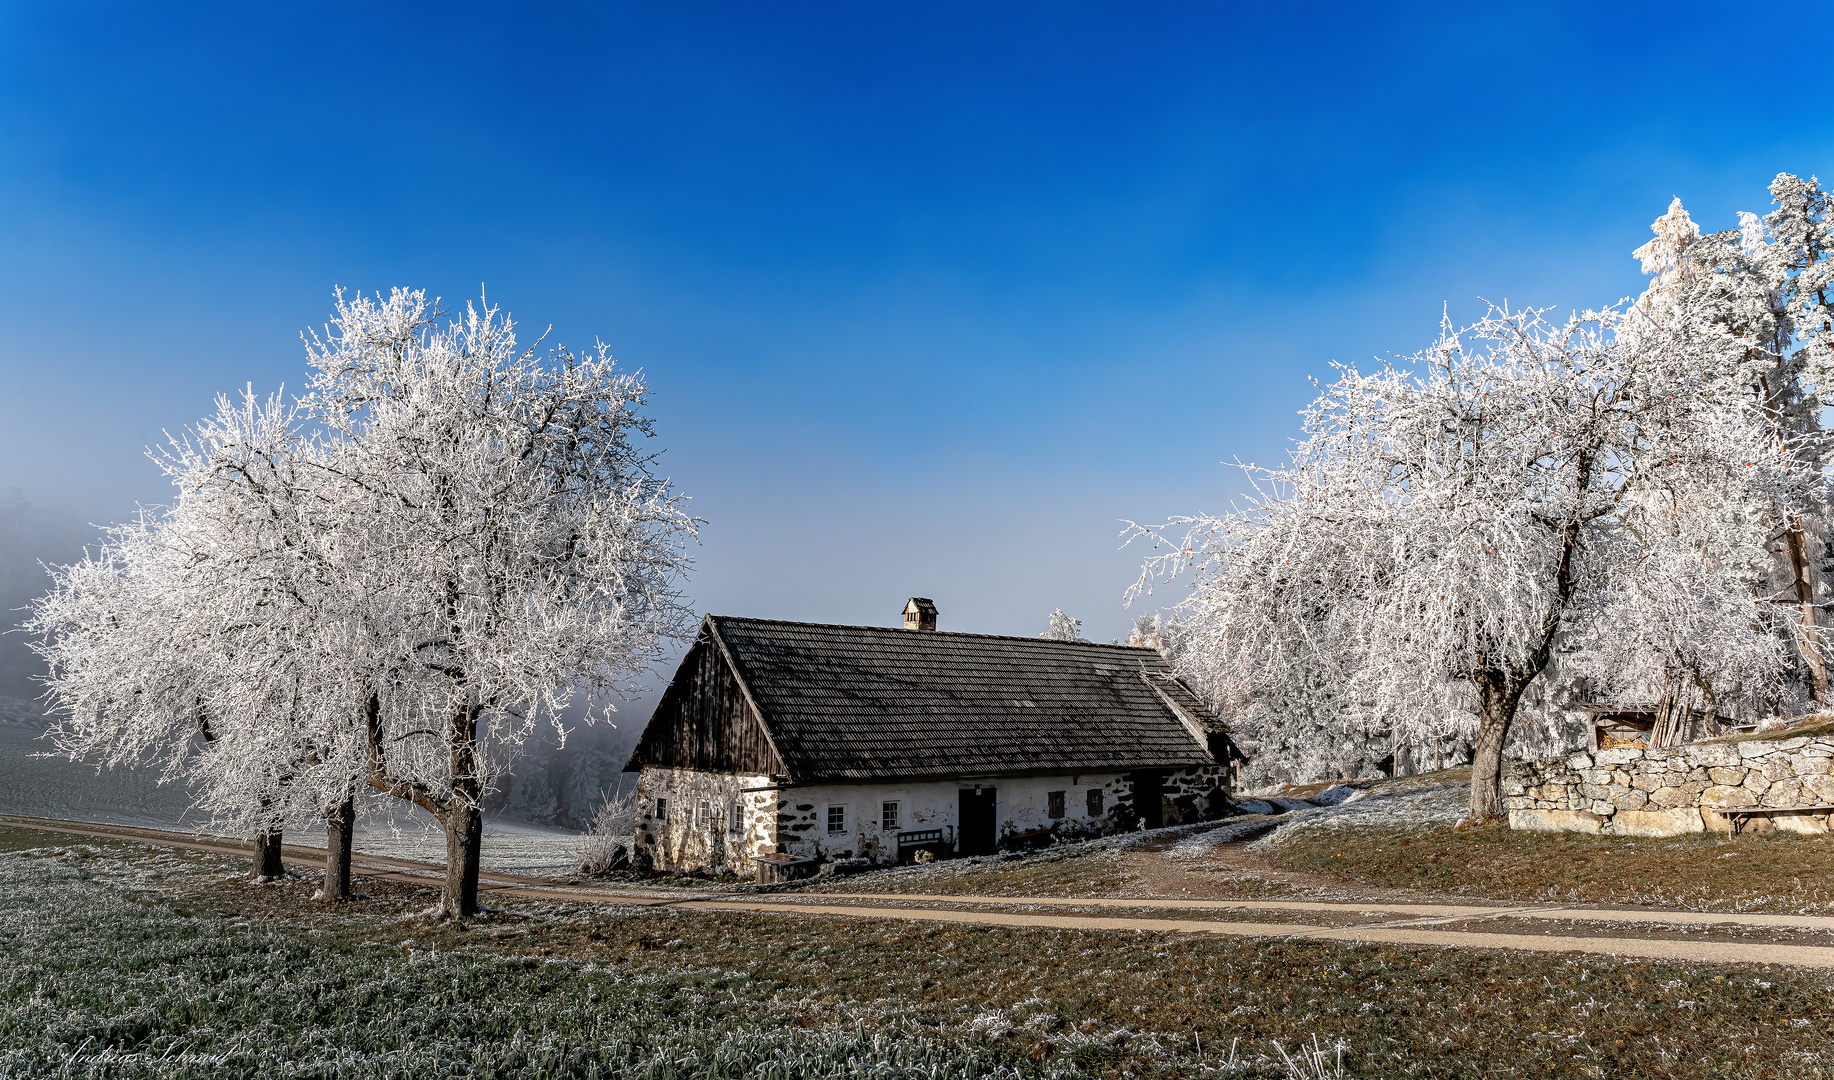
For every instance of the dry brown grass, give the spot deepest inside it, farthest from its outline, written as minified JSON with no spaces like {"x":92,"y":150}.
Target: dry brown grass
{"x":1778,"y":872}
{"x":1142,"y":1004}
{"x":1048,"y":873}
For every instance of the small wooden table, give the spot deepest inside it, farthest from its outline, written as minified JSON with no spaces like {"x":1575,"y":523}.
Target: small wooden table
{"x":1738,"y":814}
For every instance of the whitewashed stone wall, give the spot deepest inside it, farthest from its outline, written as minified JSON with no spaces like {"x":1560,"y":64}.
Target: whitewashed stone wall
{"x":1676,"y":790}
{"x":793,"y":821}
{"x":675,"y":842}
{"x":1021,"y":804}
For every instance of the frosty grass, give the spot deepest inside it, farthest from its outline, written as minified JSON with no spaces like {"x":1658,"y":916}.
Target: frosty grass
{"x":102,"y":977}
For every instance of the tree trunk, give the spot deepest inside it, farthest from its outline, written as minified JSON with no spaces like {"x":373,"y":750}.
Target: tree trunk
{"x":464,"y":844}
{"x":1808,"y":636}
{"x":1499,"y":689}
{"x":340,"y":829}
{"x":457,"y":813}
{"x":267,"y":855}
{"x":1498,"y":695}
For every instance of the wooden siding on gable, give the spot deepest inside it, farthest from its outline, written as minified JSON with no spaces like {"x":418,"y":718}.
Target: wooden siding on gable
{"x":704,"y":722}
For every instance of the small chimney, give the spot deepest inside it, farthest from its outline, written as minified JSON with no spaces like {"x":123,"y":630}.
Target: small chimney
{"x":919,"y":614}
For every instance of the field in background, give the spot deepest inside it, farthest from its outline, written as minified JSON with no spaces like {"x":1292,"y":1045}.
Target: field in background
{"x":38,"y":786}
{"x":55,"y":788}
{"x":1401,"y":836}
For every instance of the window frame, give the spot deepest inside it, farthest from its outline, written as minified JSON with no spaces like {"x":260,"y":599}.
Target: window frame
{"x":703,"y":815}
{"x":837,"y":814}
{"x":1094,"y":802}
{"x":890,"y":815}
{"x":735,"y":821}
{"x":1056,"y":804}
{"x":662,"y":808}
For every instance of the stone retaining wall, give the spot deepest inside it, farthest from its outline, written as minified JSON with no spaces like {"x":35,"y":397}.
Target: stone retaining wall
{"x":1676,"y":790}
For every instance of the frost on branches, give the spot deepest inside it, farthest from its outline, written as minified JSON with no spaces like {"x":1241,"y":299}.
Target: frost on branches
{"x":525,"y":551}
{"x":450,"y":541}
{"x":1752,"y":307}
{"x":1062,"y":627}
{"x":1446,"y":521}
{"x":178,"y":642}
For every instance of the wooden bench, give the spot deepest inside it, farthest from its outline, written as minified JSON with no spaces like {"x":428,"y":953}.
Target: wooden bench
{"x":1737,"y":815}
{"x":909,"y":843}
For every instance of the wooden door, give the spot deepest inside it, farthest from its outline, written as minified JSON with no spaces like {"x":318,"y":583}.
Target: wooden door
{"x":1149,"y":798}
{"x":974,"y":831}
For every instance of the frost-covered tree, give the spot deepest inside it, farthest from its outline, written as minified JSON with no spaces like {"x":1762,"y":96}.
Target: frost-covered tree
{"x":1151,"y":632}
{"x":1446,"y":519}
{"x":1666,"y":260}
{"x":511,"y":546}
{"x":1062,"y":627}
{"x":451,"y":540}
{"x":184,"y":640}
{"x":1752,"y":307}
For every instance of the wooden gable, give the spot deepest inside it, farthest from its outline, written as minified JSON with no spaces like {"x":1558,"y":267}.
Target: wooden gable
{"x":705,"y":721}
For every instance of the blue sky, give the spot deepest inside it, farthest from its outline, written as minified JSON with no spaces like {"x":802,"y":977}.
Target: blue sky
{"x":930,"y":296}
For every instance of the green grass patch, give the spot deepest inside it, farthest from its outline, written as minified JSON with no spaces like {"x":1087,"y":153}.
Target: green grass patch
{"x":1137,"y":1003}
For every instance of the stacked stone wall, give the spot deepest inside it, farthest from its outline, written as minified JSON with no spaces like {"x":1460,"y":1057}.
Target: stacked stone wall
{"x":1199,"y":793}
{"x":1631,"y":792}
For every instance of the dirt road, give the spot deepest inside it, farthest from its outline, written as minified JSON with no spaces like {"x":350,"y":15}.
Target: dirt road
{"x":1708,"y":937}
{"x":1417,"y":924}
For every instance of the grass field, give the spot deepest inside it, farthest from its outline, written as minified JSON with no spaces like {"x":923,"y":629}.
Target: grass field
{"x":1071,"y":871}
{"x":1775,"y":872}
{"x":1074,"y":870}
{"x":106,"y":974}
{"x":120,"y":961}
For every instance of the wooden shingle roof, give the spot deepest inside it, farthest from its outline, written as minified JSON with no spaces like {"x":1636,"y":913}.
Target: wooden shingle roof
{"x":867,"y":702}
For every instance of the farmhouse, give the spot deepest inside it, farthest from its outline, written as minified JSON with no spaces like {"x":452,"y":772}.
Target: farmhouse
{"x":781,"y":745}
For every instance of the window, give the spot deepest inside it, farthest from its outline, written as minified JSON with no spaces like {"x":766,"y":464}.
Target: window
{"x":1054,"y":801}
{"x":703,"y":814}
{"x":662,"y":809}
{"x":888,"y":817}
{"x":837,"y":819}
{"x":738,"y":816}
{"x":1095,"y":803}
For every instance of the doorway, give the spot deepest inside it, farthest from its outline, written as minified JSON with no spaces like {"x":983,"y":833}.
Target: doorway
{"x":1149,"y":798}
{"x":974,"y":835}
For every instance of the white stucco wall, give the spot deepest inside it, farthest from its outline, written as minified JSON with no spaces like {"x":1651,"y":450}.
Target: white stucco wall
{"x":676,"y":843}
{"x":1021,"y":804}
{"x":794,"y":820}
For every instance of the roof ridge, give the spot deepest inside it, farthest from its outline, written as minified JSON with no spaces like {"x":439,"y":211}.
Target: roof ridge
{"x":939,"y":633}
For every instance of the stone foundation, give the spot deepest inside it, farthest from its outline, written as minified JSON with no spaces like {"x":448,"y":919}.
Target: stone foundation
{"x":1630,"y":792}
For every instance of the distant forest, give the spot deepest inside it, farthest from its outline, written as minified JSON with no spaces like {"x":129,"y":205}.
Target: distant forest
{"x":29,"y":536}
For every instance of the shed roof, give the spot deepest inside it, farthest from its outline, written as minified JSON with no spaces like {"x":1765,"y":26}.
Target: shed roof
{"x":868,"y":702}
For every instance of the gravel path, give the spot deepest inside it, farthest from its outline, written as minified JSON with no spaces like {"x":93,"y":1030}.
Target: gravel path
{"x":1691,"y":949}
